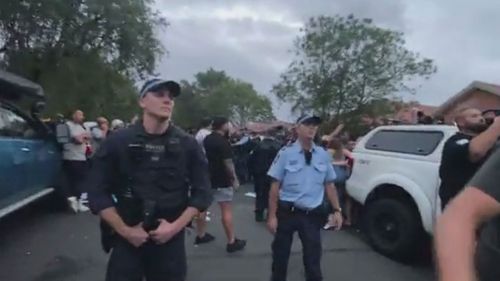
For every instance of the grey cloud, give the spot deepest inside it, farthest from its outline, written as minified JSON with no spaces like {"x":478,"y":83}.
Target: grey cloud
{"x":460,"y":35}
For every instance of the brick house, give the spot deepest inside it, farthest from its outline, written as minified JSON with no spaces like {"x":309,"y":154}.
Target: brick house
{"x":480,"y":95}
{"x":261,"y":127}
{"x":408,"y":113}
{"x":404,"y":113}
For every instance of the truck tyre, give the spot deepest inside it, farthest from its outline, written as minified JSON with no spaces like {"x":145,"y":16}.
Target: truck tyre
{"x":394,"y":228}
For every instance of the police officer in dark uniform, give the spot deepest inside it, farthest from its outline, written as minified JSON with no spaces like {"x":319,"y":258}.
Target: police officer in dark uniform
{"x":302,"y":174}
{"x":260,"y":161}
{"x":465,"y":152}
{"x":148,"y":182}
{"x":462,"y":254}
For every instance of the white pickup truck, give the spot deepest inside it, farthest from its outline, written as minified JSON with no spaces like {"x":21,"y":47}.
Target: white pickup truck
{"x":396,"y":178}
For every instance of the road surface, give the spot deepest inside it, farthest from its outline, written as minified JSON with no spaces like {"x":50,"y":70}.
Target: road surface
{"x":41,"y":245}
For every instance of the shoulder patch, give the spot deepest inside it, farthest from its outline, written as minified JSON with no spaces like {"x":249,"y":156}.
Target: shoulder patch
{"x":462,"y":141}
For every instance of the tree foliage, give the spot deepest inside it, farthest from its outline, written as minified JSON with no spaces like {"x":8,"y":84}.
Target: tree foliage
{"x":85,"y":53}
{"x":214,"y":93}
{"x":343,"y":63}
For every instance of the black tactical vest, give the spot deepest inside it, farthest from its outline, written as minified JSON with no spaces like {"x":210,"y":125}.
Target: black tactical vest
{"x":156,"y":171}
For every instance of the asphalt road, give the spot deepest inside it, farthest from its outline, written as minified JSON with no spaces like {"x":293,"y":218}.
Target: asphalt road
{"x":41,"y":245}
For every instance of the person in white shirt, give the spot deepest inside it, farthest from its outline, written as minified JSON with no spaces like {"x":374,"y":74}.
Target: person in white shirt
{"x":206,"y":129}
{"x":75,"y":164}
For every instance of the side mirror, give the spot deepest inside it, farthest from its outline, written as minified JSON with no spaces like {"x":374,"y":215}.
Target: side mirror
{"x":37,"y":108}
{"x":62,"y":133}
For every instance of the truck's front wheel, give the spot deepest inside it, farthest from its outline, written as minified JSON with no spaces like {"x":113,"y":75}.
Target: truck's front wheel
{"x":393,"y":228}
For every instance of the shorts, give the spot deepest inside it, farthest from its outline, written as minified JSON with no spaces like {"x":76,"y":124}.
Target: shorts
{"x":224,"y":194}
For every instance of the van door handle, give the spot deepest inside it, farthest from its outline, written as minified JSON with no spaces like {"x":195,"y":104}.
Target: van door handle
{"x":25,"y":149}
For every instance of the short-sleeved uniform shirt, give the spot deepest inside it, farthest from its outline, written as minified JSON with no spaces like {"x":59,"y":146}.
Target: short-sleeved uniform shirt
{"x":488,"y":248}
{"x":302,"y":184}
{"x":218,"y":149}
{"x":456,"y":169}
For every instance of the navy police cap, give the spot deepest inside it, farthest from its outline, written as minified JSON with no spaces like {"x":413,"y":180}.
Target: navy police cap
{"x":157,"y":84}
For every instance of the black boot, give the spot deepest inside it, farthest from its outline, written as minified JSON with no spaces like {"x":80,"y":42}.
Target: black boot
{"x":259,"y":216}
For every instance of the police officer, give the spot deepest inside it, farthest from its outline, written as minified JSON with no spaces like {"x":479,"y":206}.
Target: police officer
{"x":465,"y":152}
{"x":302,"y":174}
{"x":148,"y":182}
{"x":462,"y":254}
{"x":260,"y":161}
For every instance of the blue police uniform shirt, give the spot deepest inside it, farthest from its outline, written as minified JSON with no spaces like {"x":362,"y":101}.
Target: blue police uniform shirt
{"x":302,"y":184}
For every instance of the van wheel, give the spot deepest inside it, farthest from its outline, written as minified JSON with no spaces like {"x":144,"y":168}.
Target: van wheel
{"x":393,"y":229}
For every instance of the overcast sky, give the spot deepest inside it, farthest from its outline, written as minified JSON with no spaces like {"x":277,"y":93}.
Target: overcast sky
{"x":250,"y":40}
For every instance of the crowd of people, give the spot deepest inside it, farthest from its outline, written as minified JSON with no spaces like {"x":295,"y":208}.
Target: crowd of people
{"x":148,"y":180}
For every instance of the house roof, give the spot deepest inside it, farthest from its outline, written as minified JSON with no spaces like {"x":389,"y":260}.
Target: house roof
{"x":475,"y":85}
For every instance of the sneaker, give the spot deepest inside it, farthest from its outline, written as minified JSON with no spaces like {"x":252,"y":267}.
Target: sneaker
{"x":84,"y":196}
{"x":73,"y":204}
{"x":237,"y":245}
{"x":82,"y":207}
{"x":328,"y":227}
{"x":207,"y":238}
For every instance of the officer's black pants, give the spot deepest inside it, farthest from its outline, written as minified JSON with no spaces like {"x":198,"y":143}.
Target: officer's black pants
{"x":262,"y":184}
{"x":166,"y":262}
{"x":309,"y":229}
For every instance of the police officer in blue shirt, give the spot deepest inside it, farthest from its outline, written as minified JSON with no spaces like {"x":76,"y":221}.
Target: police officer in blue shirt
{"x":302,"y":174}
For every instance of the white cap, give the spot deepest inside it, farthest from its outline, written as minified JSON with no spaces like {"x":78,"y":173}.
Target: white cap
{"x":117,"y":124}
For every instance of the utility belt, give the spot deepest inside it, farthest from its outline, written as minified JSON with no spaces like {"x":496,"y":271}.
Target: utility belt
{"x":133,"y":212}
{"x":286,"y":207}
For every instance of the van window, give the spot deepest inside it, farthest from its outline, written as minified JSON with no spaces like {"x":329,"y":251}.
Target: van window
{"x":409,"y":142}
{"x":14,"y":126}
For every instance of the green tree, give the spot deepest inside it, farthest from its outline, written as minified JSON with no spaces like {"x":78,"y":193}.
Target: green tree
{"x":85,"y":53}
{"x":215,"y":93}
{"x":343,"y":63}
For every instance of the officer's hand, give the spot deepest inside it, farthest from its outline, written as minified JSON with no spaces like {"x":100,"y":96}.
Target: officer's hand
{"x":336,"y":220}
{"x":164,"y":232}
{"x":136,"y":235}
{"x":272,"y":224}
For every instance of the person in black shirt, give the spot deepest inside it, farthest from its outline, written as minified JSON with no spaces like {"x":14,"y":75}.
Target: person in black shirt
{"x":223,"y":177}
{"x":464,"y":153}
{"x":260,"y":160}
{"x":147,"y":183}
{"x":461,"y":253}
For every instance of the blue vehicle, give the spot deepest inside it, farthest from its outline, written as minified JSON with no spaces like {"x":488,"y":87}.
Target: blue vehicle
{"x":30,"y":156}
